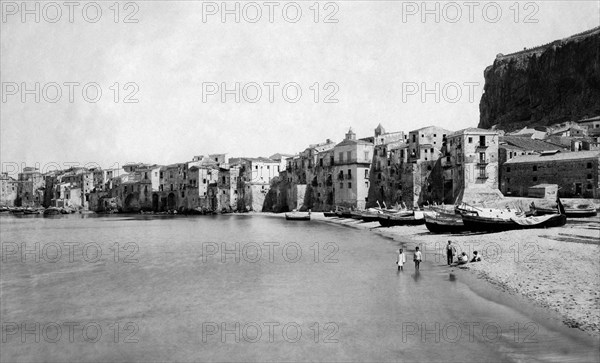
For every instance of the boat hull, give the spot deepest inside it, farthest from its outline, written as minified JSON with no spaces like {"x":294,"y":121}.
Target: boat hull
{"x":291,"y":217}
{"x":445,"y":226}
{"x":388,"y":221}
{"x":484,"y":224}
{"x":329,"y":214}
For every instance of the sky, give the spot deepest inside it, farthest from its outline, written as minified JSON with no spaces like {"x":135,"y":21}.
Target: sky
{"x":169,"y":73}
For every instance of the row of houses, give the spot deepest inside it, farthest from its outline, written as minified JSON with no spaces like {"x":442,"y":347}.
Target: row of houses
{"x":435,"y":165}
{"x":206,"y":183}
{"x":423,"y":166}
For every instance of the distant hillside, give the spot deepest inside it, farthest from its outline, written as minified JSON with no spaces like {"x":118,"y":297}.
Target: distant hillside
{"x":552,"y":83}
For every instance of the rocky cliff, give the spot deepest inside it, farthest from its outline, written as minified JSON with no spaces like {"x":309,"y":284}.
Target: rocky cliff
{"x":552,"y":83}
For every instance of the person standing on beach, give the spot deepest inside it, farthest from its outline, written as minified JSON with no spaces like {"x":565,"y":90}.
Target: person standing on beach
{"x":450,"y":252}
{"x":401,"y":260}
{"x":417,"y":258}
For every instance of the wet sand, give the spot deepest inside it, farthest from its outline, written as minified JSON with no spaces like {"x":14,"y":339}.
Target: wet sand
{"x":557,"y":268}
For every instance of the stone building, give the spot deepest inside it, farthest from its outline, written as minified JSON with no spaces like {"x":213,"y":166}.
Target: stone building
{"x":254,"y":181}
{"x":407,"y":170}
{"x":592,"y":125}
{"x":576,"y":173}
{"x":470,"y":161}
{"x":30,"y":188}
{"x":352,"y":162}
{"x":8,"y":190}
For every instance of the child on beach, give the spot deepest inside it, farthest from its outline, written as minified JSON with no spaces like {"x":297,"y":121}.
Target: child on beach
{"x":417,"y":258}
{"x":476,"y":257}
{"x":401,"y":260}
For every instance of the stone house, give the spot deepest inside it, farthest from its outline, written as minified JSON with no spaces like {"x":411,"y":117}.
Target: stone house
{"x":576,"y":173}
{"x":471,"y":157}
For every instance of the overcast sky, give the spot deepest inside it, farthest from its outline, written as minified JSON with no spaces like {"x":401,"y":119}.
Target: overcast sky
{"x":369,"y":61}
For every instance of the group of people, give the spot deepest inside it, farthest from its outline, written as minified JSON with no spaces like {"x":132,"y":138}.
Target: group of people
{"x":462,"y":259}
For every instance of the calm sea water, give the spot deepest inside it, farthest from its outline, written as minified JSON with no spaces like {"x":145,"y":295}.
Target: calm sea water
{"x":249,"y":288}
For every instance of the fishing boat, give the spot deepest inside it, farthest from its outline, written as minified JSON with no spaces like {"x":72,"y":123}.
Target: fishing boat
{"x":581,"y":211}
{"x":329,"y":214}
{"x":52,"y":211}
{"x":371,"y":215}
{"x":496,"y":220}
{"x":356,"y":214}
{"x":440,"y":222}
{"x":297,"y":216}
{"x":401,"y":219}
{"x":578,"y":211}
{"x":32,"y":211}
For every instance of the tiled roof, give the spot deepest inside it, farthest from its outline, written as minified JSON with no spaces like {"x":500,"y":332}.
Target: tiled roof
{"x":576,"y":155}
{"x":528,"y":144}
{"x":473,"y":130}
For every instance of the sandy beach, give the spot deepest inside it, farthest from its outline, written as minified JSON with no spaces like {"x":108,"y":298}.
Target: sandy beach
{"x":556,"y":268}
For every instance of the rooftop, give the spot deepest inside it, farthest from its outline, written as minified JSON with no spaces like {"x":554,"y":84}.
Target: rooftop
{"x":528,"y":144}
{"x":560,"y":156}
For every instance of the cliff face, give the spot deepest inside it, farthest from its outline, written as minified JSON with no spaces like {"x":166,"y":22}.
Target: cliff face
{"x":545,"y":85}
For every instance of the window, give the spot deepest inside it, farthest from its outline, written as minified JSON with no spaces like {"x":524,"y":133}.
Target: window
{"x":481,"y":140}
{"x":204,"y":181}
{"x":425,"y":151}
{"x":434,"y":135}
{"x":182,"y":194}
{"x":349,"y":185}
{"x":482,"y":157}
{"x":268,"y":167}
{"x":349,"y":173}
{"x":470,"y":140}
{"x":366,"y":173}
{"x":414,"y":138}
{"x":589,"y":176}
{"x":256,"y":167}
{"x":341,"y":185}
{"x":321,"y":162}
{"x":349,"y":155}
{"x":366,"y":155}
{"x":429,"y":167}
{"x":535,"y":178}
{"x":589,"y":165}
{"x":508,"y":180}
{"x":589,"y":186}
{"x":341,"y":156}
{"x":535,"y":168}
{"x":431,"y":151}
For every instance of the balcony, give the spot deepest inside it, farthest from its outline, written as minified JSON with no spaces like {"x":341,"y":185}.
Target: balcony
{"x":481,"y":146}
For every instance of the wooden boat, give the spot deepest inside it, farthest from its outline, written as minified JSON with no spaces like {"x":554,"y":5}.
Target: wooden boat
{"x":355,"y":214}
{"x":32,"y":211}
{"x":329,"y":214}
{"x":439,"y":222}
{"x":297,"y":216}
{"x":580,"y":211}
{"x":477,"y":223}
{"x":52,"y":211}
{"x":388,"y":220}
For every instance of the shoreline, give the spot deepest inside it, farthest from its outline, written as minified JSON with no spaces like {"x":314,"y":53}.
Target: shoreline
{"x":555,"y":269}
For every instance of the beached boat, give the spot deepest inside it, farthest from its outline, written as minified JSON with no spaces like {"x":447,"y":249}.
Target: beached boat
{"x":401,"y":219}
{"x":578,"y":211}
{"x":478,"y":223}
{"x":371,"y":215}
{"x":297,"y":216}
{"x":439,"y":222}
{"x":329,"y":214}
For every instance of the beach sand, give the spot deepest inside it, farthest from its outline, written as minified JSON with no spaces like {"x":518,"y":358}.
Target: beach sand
{"x":556,"y":268}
